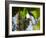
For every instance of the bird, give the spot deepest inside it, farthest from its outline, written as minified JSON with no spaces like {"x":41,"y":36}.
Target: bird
{"x":31,"y":22}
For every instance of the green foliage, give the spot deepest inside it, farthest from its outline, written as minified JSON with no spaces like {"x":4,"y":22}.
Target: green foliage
{"x":37,"y":26}
{"x":23,"y":13}
{"x":36,"y":12}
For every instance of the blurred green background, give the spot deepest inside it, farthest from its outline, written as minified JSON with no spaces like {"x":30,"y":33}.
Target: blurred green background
{"x":22,"y":14}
